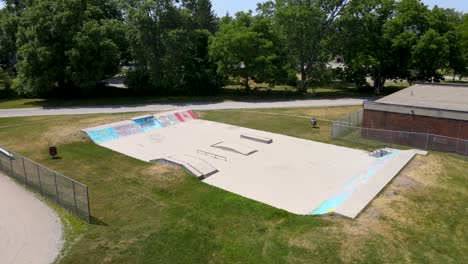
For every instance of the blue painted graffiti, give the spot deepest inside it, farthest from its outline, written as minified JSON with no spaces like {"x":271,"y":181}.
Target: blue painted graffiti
{"x":103,"y":135}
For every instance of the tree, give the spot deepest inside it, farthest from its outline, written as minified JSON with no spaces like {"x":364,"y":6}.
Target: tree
{"x":202,"y":14}
{"x":170,"y":49}
{"x":307,"y":26}
{"x":8,"y":29}
{"x":430,"y":54}
{"x":463,"y":33}
{"x":245,"y":47}
{"x":386,"y":39}
{"x":95,"y":53}
{"x":65,"y":47}
{"x":446,"y":23}
{"x":362,"y":43}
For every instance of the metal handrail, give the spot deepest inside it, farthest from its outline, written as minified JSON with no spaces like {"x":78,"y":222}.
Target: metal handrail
{"x":213,"y":155}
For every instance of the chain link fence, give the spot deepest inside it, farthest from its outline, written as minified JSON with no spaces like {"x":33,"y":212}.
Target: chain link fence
{"x":350,"y":129}
{"x":68,"y":193}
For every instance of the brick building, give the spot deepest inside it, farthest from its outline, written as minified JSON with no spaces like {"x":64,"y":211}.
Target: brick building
{"x":424,"y":108}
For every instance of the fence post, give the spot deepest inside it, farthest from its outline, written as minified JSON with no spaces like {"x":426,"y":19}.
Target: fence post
{"x":466,"y":150}
{"x":333,"y":125}
{"x":56,"y":188}
{"x":391,"y":138}
{"x":11,"y":165}
{"x":339,"y":133}
{"x":74,"y":197}
{"x":427,"y":141}
{"x":25,"y":174}
{"x":89,"y":207}
{"x":39,"y":177}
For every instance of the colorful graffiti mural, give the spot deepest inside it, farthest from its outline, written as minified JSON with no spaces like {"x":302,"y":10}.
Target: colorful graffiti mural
{"x":128,"y":130}
{"x":103,"y":135}
{"x":139,"y":125}
{"x":147,"y":123}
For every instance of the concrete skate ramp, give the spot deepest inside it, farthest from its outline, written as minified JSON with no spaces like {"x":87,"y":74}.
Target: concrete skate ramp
{"x":198,"y":167}
{"x":257,"y":138}
{"x":102,"y":135}
{"x":147,"y":123}
{"x":370,"y":188}
{"x":352,"y":197}
{"x":235,"y":147}
{"x":125,"y":130}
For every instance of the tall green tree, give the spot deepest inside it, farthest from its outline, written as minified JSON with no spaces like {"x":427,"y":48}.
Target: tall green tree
{"x":8,"y":29}
{"x":386,"y":39}
{"x":430,"y":54}
{"x":362,"y":43}
{"x":245,"y":47}
{"x":202,"y":14}
{"x":463,"y":33}
{"x":420,"y":40}
{"x":307,"y":26}
{"x":170,"y":49}
{"x":446,"y":23}
{"x":66,"y":46}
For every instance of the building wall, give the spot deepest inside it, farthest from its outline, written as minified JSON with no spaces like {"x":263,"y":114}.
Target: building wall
{"x":414,"y":123}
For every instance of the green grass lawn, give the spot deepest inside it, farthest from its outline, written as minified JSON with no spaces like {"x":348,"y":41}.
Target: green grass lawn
{"x":158,"y":214}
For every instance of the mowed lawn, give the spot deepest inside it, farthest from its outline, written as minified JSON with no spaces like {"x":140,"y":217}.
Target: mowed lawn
{"x":158,"y":214}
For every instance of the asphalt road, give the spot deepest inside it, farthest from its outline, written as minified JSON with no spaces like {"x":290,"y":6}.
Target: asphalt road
{"x":30,"y":232}
{"x":167,"y":107}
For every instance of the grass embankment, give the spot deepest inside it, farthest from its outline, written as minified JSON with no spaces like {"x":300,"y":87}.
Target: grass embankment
{"x":157,"y":214}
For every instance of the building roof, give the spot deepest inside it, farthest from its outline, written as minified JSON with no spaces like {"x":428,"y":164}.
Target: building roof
{"x":443,"y":97}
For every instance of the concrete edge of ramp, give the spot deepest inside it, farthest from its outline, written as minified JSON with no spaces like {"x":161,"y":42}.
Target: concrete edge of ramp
{"x":257,"y":138}
{"x":235,"y":147}
{"x":195,"y":166}
{"x":373,"y":185}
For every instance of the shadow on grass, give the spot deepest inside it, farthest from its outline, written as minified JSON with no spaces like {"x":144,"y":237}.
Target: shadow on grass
{"x":95,"y":221}
{"x":235,"y":93}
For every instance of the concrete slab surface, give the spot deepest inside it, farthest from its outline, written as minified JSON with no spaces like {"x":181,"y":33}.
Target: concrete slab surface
{"x":297,"y":175}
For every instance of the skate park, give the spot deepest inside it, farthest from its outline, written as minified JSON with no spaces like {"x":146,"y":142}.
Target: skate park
{"x":297,"y":175}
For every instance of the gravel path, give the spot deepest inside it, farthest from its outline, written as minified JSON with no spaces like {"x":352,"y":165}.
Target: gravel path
{"x":167,"y":107}
{"x":30,"y":232}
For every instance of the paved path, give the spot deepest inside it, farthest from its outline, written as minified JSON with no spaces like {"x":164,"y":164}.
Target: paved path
{"x":166,"y":107}
{"x":30,"y":232}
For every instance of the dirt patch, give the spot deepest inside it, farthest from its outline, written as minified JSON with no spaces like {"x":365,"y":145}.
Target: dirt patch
{"x":425,"y":169}
{"x":406,"y":182}
{"x":163,"y":176}
{"x":391,"y":206}
{"x":304,"y":242}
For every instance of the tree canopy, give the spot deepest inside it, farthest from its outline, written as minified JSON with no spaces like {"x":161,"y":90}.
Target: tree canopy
{"x":180,"y":47}
{"x":247,"y":48}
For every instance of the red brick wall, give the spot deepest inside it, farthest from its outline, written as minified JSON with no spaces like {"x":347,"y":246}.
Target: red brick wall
{"x":414,"y":123}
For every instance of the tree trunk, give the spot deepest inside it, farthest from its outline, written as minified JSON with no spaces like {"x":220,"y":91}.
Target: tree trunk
{"x":379,"y":82}
{"x":246,"y":84}
{"x":303,"y":82}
